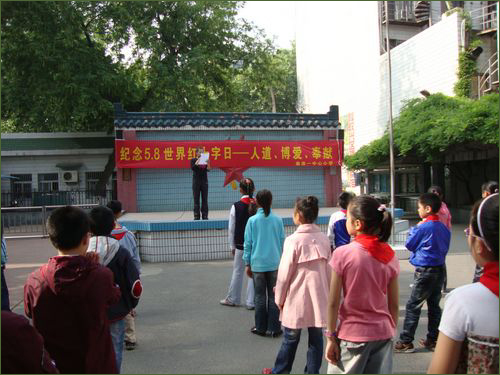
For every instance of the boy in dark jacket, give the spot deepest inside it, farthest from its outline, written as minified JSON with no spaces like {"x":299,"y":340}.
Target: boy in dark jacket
{"x":126,"y":275}
{"x":68,"y":297}
{"x":428,"y":242}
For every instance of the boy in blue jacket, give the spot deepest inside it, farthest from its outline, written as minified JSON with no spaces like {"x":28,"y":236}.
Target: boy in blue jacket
{"x":428,"y":242}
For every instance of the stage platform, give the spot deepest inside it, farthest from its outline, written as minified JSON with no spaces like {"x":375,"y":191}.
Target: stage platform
{"x":176,"y":237}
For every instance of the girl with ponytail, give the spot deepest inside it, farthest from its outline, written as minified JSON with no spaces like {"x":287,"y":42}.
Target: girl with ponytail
{"x":366,"y":272}
{"x":264,"y":237}
{"x":238,"y":218}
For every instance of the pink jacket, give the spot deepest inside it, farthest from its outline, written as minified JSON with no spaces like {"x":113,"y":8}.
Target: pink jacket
{"x":304,"y":278}
{"x":444,"y":215}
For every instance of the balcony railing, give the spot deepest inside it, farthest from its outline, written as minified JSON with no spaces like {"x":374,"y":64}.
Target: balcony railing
{"x":485,"y":18}
{"x":489,"y":80}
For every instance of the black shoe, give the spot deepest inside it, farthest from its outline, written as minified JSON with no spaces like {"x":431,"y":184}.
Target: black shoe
{"x":130,"y":345}
{"x":255,"y":331}
{"x":196,"y":218}
{"x":205,"y":218}
{"x":276,"y":334}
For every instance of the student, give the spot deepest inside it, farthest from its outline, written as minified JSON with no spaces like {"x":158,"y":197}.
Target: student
{"x":238,"y":217}
{"x":366,"y":270}
{"x":444,"y":217}
{"x":428,"y":242}
{"x":302,"y":289}
{"x":200,"y":185}
{"x":488,"y":188}
{"x":264,"y":237}
{"x":23,"y":351}
{"x":126,"y":239}
{"x":68,"y":297}
{"x":126,"y":275}
{"x":5,"y":290}
{"x":468,"y":333}
{"x":337,"y":230}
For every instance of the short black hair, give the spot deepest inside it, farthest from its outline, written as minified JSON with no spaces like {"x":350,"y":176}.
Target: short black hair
{"x":67,"y":226}
{"x":115,"y":206}
{"x":344,"y":199}
{"x":431,"y":200}
{"x":102,"y":221}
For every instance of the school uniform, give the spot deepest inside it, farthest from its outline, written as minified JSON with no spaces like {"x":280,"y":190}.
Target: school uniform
{"x":337,"y":229}
{"x":429,"y":243}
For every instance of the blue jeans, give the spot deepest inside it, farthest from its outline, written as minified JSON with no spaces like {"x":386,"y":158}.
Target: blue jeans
{"x":428,"y":282}
{"x":117,"y":330}
{"x":5,"y":293}
{"x":267,"y":314}
{"x":286,"y":355}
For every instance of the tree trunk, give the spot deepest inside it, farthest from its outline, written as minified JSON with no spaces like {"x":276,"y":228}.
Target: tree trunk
{"x":273,"y":100}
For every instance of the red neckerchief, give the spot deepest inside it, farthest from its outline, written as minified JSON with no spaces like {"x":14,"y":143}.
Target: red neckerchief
{"x":247,"y":200}
{"x":344,"y":211}
{"x":379,"y":250}
{"x":431,"y":218}
{"x":490,"y":277}
{"x":118,"y":236}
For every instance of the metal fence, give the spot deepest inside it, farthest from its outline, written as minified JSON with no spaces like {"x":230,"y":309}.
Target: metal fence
{"x":26,"y":222}
{"x":55,"y":198}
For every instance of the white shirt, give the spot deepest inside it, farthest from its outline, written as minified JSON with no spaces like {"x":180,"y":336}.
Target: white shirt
{"x":472,"y":308}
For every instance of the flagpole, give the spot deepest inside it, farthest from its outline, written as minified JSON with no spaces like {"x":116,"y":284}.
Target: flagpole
{"x":391,"y":139}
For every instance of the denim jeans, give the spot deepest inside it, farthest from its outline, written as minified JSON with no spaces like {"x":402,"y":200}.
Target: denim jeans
{"x":428,"y":282}
{"x":117,"y":330}
{"x":286,"y":355}
{"x":234,"y":292}
{"x":5,"y":293}
{"x":266,"y":312}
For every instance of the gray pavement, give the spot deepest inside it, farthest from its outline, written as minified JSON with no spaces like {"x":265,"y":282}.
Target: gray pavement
{"x":181,"y":327}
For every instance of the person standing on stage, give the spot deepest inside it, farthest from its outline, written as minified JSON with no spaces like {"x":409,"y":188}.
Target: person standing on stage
{"x":200,"y":185}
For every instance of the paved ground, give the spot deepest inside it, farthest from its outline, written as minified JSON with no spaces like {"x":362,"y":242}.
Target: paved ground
{"x":183,"y":329}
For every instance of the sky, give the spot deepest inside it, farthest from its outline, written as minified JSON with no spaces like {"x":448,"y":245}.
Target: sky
{"x":277,"y":18}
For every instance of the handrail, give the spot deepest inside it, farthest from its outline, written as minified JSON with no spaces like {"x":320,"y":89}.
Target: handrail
{"x":487,"y":17}
{"x":490,"y":72}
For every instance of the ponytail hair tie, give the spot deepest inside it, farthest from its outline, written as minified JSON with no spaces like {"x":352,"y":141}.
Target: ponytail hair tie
{"x":382,"y":208}
{"x":496,"y":191}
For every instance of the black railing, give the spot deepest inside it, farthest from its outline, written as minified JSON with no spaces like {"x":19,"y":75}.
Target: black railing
{"x":56,"y":198}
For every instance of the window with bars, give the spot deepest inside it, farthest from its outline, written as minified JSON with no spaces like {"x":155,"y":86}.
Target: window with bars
{"x":22,"y":186}
{"x":91,"y":179}
{"x":48,"y":182}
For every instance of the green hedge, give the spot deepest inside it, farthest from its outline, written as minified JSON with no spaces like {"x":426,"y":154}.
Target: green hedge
{"x":427,"y":127}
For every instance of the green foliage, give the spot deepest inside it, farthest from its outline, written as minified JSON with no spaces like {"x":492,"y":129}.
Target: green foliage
{"x":427,"y":128}
{"x":63,"y":64}
{"x":466,"y":70}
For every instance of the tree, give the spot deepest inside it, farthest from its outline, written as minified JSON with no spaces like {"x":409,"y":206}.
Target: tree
{"x":428,"y":128}
{"x":63,"y":64}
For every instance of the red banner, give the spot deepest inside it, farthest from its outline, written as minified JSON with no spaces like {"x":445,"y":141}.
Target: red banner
{"x":224,"y":154}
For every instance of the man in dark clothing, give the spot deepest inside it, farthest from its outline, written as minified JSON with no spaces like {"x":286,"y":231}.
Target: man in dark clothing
{"x":200,"y":185}
{"x":68,"y":299}
{"x":23,"y":351}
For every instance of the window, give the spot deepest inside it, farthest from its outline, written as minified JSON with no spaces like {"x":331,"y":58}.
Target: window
{"x":48,"y":182}
{"x":91,"y":179}
{"x":21,"y":187}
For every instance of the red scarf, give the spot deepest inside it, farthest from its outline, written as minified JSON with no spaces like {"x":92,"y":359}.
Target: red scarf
{"x":344,"y":211}
{"x":431,"y":218}
{"x":247,"y":200}
{"x":379,"y":250}
{"x":490,"y":277}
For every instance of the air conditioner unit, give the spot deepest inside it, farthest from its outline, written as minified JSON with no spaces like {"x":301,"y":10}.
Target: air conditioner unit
{"x":70,"y":176}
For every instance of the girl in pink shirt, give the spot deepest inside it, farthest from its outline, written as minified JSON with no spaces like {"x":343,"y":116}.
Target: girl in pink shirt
{"x":361,"y":327}
{"x":302,"y":289}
